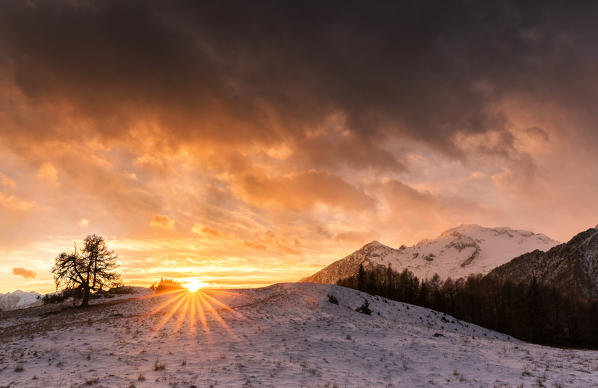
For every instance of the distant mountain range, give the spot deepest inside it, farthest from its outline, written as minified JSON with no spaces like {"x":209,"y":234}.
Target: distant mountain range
{"x":571,"y":267}
{"x":458,"y":252}
{"x":19,"y":300}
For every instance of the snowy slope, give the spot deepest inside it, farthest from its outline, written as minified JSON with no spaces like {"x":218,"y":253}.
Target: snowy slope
{"x":457,"y":252}
{"x":286,"y":335}
{"x":19,"y":299}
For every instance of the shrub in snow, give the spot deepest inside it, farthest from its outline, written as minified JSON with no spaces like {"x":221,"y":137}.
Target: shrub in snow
{"x":60,"y":296}
{"x":364,"y":308}
{"x":332,"y":299}
{"x":121,"y":290}
{"x":159,"y":366}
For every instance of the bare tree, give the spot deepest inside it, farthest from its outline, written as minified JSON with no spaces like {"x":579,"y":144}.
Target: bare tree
{"x":92,"y":268}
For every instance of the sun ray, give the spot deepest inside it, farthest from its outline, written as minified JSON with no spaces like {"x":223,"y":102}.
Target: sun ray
{"x":225,"y":307}
{"x":175,"y":300}
{"x":222,"y":291}
{"x":168,"y":315}
{"x":217,"y":316}
{"x":156,"y":295}
{"x":192,"y":316}
{"x":182,"y":313}
{"x":167,"y":303}
{"x":203,"y":319}
{"x":196,"y":308}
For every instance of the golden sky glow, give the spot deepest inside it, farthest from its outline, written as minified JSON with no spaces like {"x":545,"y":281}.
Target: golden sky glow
{"x":244,"y":147}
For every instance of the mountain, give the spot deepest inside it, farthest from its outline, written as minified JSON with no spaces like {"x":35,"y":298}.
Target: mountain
{"x":19,"y":300}
{"x":571,"y":267}
{"x":457,"y":252}
{"x":285,"y":335}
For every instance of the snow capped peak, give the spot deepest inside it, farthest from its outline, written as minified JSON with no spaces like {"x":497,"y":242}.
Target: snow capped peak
{"x":455,"y":253}
{"x":375,"y":245}
{"x":477,"y":230}
{"x":464,"y":229}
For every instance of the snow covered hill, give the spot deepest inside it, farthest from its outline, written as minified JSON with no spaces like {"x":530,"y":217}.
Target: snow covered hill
{"x":19,"y":300}
{"x":286,"y":335}
{"x":457,"y":252}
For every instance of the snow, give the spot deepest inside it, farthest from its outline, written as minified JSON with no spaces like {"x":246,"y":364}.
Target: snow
{"x":19,"y":299}
{"x":458,"y":252}
{"x":282,"y":335}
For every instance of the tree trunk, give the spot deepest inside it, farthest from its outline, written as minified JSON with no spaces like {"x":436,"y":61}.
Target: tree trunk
{"x":85,"y":301}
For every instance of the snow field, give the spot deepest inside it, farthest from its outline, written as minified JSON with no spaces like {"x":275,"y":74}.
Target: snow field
{"x":283,"y":335}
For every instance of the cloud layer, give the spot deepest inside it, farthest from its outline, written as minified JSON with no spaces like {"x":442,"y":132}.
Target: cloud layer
{"x":235,"y":135}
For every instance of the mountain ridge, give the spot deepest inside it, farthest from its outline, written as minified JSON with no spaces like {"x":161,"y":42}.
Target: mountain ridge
{"x":19,"y":299}
{"x":571,"y":266}
{"x":456,"y":252}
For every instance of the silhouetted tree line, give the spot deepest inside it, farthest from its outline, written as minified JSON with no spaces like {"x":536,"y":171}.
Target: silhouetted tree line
{"x":167,"y":285}
{"x":529,"y":311}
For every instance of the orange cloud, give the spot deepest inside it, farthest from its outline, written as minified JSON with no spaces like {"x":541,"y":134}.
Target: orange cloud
{"x":7,"y":182}
{"x":204,"y":230}
{"x":255,"y":246}
{"x":24,"y":273}
{"x":14,"y":203}
{"x":162,"y":222}
{"x":49,"y":173}
{"x":303,"y":191}
{"x":356,"y":237}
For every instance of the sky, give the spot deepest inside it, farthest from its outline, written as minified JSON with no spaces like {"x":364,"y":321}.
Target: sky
{"x":248,"y":143}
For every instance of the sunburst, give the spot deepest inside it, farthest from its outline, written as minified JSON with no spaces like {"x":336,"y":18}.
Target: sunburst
{"x":196,"y":305}
{"x":195,"y":284}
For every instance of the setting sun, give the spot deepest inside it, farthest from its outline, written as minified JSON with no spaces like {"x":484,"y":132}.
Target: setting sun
{"x":194,"y":285}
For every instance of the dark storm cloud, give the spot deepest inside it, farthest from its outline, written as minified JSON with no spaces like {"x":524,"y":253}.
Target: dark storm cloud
{"x":235,"y":131}
{"x":538,"y":133}
{"x":264,"y":72}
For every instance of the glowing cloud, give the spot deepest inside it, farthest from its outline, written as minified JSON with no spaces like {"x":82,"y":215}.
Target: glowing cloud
{"x":48,"y":173}
{"x":162,"y":222}
{"x":27,"y":274}
{"x":206,"y":231}
{"x":12,"y":202}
